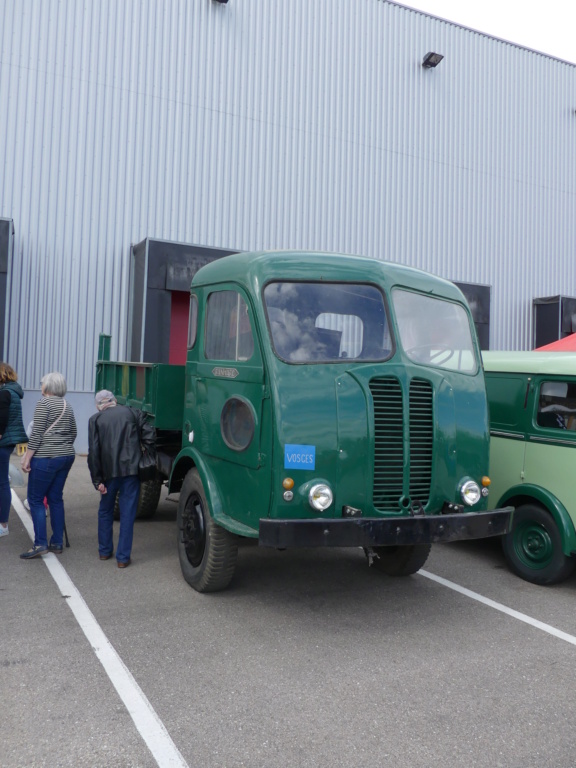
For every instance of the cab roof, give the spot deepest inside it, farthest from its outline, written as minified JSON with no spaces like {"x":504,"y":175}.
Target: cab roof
{"x":255,"y":269}
{"x":549,"y":363}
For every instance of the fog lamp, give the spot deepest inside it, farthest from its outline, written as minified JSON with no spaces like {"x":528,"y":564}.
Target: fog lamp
{"x":320,"y":496}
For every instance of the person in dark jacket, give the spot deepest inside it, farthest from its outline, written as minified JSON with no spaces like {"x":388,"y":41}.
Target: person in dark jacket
{"x":115,"y":436}
{"x":12,"y":432}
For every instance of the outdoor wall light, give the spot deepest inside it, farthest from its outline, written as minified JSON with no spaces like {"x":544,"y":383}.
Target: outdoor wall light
{"x":432,"y":60}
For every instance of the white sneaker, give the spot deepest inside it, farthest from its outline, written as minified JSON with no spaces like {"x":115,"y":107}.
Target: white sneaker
{"x":3,"y":530}
{"x":27,"y":505}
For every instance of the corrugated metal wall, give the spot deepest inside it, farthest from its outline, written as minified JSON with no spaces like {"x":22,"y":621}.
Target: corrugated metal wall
{"x":256,"y":125}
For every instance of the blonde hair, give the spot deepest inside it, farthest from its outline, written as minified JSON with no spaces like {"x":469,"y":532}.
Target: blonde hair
{"x":7,"y":373}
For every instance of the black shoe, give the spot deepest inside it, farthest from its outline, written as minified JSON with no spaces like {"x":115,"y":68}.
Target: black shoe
{"x":34,"y":552}
{"x":56,"y":548}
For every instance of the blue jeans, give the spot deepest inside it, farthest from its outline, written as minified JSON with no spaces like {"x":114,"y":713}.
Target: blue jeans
{"x":5,"y":492}
{"x":46,"y":479}
{"x":127,"y":489}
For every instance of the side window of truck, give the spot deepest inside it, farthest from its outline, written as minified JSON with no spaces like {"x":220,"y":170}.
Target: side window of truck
{"x":228,"y":330}
{"x":557,"y":405}
{"x":192,"y":321}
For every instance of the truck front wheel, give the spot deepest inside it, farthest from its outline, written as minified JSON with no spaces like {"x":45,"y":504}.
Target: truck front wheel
{"x":400,"y":561}
{"x":207,"y":551}
{"x":533,"y":548}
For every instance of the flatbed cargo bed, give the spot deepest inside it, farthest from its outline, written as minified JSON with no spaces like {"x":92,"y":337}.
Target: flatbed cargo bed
{"x":155,"y":388}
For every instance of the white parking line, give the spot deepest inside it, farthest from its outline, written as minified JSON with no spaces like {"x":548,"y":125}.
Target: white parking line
{"x":502,"y":608}
{"x":149,"y":725}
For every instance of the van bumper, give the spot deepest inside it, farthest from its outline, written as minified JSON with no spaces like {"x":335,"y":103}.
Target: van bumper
{"x":384,"y":532}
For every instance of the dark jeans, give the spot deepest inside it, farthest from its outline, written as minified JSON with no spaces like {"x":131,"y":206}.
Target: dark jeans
{"x":46,"y":479}
{"x":127,"y":489}
{"x":5,"y":492}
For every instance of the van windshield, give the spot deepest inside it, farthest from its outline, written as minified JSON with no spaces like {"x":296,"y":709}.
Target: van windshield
{"x":434,"y":331}
{"x":327,"y":322}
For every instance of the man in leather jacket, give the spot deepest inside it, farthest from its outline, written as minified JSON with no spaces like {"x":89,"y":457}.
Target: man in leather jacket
{"x":115,"y":436}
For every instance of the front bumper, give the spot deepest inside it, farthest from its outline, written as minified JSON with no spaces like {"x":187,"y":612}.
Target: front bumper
{"x":384,"y":532}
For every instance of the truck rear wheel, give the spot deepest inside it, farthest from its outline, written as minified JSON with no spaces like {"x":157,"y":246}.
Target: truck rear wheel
{"x":207,"y":551}
{"x":401,"y":561}
{"x":533,"y":548}
{"x":147,"y":501}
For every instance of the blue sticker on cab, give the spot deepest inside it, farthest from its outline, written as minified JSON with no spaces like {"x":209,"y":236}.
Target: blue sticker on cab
{"x":299,"y":457}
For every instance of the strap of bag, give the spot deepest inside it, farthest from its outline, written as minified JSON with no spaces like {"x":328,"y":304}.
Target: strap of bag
{"x":57,"y":420}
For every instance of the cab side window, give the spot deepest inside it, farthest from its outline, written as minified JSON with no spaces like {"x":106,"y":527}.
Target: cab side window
{"x":228,"y":330}
{"x":192,"y":321}
{"x":557,"y":405}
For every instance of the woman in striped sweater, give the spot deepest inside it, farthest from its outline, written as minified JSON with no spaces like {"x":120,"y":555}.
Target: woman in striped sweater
{"x":48,"y":459}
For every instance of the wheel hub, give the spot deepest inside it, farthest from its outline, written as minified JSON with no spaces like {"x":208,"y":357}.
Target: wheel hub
{"x":534,"y":545}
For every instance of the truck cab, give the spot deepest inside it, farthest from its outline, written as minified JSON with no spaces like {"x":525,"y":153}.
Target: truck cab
{"x":328,"y":400}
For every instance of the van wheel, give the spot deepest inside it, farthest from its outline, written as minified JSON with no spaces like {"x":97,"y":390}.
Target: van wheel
{"x":207,"y":551}
{"x":147,"y":501}
{"x":533,"y":548}
{"x":401,"y":561}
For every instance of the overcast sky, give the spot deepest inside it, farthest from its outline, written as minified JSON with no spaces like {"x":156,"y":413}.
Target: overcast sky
{"x":548,"y":26}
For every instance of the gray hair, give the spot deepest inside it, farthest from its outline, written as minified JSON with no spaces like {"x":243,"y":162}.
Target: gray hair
{"x":54,"y":384}
{"x":105,"y":399}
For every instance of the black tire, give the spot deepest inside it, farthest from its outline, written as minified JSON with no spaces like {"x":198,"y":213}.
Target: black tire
{"x":147,"y":501}
{"x":533,"y":548}
{"x":149,"y":497}
{"x":401,"y":561}
{"x":207,"y":551}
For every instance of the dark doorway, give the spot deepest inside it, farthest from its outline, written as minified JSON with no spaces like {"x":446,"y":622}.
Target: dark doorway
{"x":554,"y":318}
{"x":478,"y":298}
{"x":161,"y":275}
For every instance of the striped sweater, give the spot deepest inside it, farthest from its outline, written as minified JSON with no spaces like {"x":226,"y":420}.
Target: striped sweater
{"x":59,"y":441}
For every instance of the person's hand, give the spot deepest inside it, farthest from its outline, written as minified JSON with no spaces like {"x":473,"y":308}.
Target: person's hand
{"x":102,"y":488}
{"x":25,"y":464}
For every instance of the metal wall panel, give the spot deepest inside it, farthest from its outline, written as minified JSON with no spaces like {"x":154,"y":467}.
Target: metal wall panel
{"x":259,"y":125}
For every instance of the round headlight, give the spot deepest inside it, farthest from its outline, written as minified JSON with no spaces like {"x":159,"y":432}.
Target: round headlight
{"x":470,"y":493}
{"x":320,"y":497}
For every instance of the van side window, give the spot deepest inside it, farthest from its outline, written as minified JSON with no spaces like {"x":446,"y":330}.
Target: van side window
{"x":228,"y":330}
{"x":557,"y":405}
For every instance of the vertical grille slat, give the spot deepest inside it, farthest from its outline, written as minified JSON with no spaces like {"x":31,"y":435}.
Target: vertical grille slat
{"x":421,"y":440}
{"x":389,"y":482}
{"x":389,"y":443}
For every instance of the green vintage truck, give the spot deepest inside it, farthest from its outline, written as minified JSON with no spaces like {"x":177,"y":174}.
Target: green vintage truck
{"x":532,"y":397}
{"x":326,"y":400}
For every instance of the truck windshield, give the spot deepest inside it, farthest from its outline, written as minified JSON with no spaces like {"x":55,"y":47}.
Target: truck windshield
{"x":434,"y":331}
{"x":323,"y":322}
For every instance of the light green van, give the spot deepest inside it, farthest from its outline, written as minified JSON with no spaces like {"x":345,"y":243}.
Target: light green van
{"x":532,"y":399}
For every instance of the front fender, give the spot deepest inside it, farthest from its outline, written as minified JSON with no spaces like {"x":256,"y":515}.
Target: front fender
{"x":521,"y":494}
{"x":190,"y":458}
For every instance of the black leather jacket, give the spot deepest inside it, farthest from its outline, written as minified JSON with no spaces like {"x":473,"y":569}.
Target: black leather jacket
{"x":114,"y":438}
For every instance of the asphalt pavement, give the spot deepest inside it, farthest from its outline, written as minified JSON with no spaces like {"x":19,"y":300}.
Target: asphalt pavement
{"x":310,"y":659}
